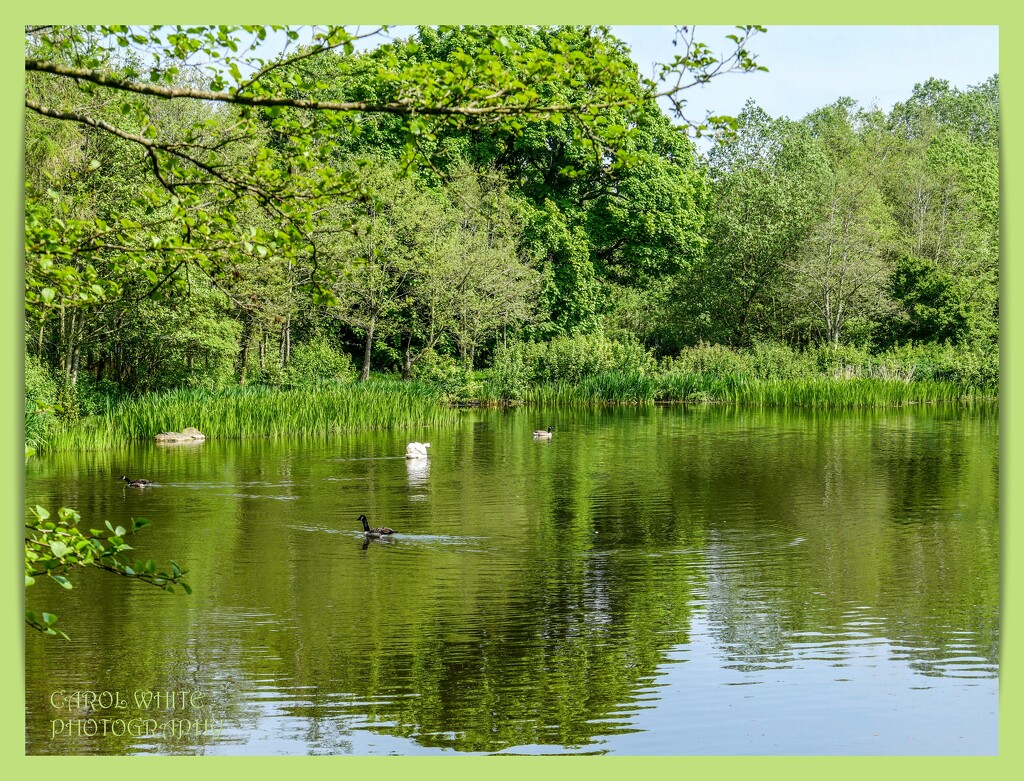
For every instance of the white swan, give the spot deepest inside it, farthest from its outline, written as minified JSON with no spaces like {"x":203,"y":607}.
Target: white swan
{"x":417,"y":450}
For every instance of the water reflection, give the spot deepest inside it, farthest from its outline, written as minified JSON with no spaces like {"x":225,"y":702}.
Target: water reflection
{"x":650,"y":581}
{"x":418,"y":471}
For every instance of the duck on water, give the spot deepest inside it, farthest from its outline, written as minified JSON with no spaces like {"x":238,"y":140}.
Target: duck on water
{"x":140,"y":483}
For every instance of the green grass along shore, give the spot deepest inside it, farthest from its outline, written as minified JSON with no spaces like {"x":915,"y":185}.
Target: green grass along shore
{"x":384,"y":403}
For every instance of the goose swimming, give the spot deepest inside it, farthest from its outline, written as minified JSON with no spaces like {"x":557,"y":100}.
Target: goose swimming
{"x":380,"y":531}
{"x":140,"y":483}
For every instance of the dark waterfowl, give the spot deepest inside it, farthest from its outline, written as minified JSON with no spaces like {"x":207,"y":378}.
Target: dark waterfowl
{"x":140,"y":483}
{"x":541,"y":434}
{"x":380,"y":531}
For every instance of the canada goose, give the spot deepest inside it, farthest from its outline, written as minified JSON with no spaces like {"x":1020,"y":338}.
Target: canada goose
{"x":541,"y":434}
{"x":417,"y":450}
{"x":140,"y":483}
{"x":380,"y":531}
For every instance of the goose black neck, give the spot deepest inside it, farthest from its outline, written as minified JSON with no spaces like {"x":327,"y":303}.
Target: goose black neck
{"x":366,"y":526}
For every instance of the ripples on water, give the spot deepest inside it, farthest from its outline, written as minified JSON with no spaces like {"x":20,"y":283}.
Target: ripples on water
{"x":666,"y":581}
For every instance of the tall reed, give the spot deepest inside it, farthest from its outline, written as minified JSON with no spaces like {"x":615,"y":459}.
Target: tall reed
{"x":810,"y":391}
{"x":259,"y":412}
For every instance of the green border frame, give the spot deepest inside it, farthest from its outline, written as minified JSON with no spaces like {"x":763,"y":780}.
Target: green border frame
{"x":866,"y":12}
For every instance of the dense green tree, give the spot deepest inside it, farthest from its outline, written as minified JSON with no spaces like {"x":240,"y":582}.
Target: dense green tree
{"x":842,"y":266}
{"x":431,"y":198}
{"x":117,"y":80}
{"x":769,"y":186}
{"x":618,"y":200}
{"x":943,"y":187}
{"x":935,"y":304}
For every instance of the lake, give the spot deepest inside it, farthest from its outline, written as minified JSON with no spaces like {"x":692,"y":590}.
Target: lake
{"x":654,"y":580}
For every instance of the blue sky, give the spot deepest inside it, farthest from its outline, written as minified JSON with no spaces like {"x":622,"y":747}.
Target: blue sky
{"x":810,"y":67}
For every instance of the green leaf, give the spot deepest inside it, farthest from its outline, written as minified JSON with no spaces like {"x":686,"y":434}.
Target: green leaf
{"x":63,"y":581}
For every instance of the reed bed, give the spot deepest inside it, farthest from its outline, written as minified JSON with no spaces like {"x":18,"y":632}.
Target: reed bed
{"x":826,"y":392}
{"x":386,"y":403}
{"x":259,"y":412}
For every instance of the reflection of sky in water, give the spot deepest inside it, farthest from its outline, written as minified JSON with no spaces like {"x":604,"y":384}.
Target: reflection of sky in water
{"x":697,"y":702}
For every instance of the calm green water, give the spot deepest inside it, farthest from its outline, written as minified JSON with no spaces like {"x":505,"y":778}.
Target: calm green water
{"x":651,"y":581}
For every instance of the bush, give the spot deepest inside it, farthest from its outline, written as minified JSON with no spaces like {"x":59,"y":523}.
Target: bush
{"x":510,"y":377}
{"x":95,"y":397}
{"x":842,"y":361}
{"x":970,"y":366}
{"x":571,"y":358}
{"x":271,"y":375}
{"x":41,"y":394}
{"x":453,"y":379}
{"x":779,"y":361}
{"x":711,"y":359}
{"x":567,"y":360}
{"x":316,"y":362}
{"x":40,"y":387}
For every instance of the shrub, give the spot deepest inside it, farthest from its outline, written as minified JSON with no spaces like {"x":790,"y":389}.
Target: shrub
{"x":39,"y":383}
{"x":41,"y":394}
{"x":94,"y":397}
{"x":510,"y":377}
{"x":270,"y":375}
{"x":571,"y":358}
{"x":453,"y":380}
{"x":316,"y":362}
{"x":711,"y":359}
{"x":976,"y":366}
{"x":566,"y":360}
{"x":779,"y":361}
{"x":842,"y":361}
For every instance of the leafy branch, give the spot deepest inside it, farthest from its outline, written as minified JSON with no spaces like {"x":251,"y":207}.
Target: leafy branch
{"x":55,"y":546}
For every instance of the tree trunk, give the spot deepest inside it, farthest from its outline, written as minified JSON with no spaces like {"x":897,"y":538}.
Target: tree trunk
{"x":243,"y":354}
{"x":76,"y":358}
{"x":407,"y":363}
{"x":286,"y":341}
{"x":368,"y":350}
{"x":71,"y":363}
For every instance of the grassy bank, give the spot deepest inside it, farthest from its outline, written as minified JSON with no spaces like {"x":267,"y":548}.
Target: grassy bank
{"x":583,"y":370}
{"x":255,"y":412}
{"x":597,"y":369}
